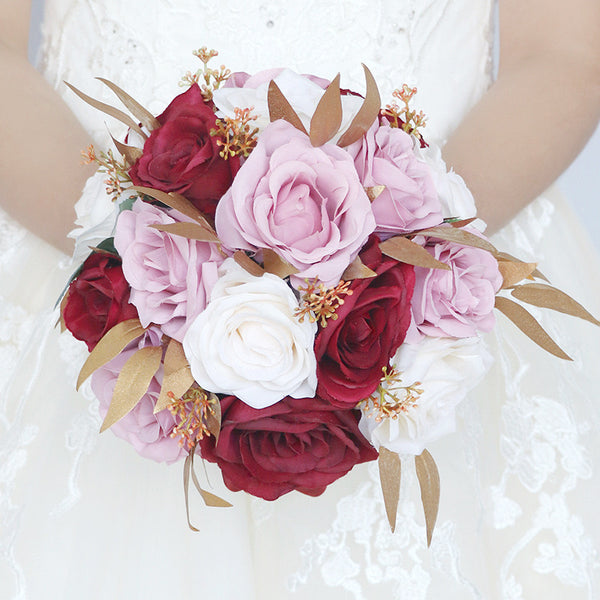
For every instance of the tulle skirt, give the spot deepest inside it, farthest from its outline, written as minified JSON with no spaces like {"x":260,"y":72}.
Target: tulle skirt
{"x":83,"y":516}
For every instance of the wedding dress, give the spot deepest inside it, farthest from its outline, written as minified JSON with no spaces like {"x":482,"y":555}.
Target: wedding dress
{"x":83,"y":516}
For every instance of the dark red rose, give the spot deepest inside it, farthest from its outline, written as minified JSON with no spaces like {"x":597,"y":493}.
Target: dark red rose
{"x":181,"y":156}
{"x":98,"y":299}
{"x":299,"y":444}
{"x":371,"y":325}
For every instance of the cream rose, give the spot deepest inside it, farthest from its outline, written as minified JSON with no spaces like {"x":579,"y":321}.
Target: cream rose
{"x":96,"y":216}
{"x":435,"y":375}
{"x":248,"y":342}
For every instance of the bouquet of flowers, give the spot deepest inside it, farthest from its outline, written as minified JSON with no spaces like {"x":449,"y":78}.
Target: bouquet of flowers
{"x":285,"y":279}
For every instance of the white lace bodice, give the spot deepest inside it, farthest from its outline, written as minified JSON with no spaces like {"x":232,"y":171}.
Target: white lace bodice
{"x":517,"y":519}
{"x":440,"y":46}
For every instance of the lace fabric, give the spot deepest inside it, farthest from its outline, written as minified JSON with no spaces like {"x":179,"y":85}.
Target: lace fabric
{"x":84,"y":516}
{"x":439,"y":46}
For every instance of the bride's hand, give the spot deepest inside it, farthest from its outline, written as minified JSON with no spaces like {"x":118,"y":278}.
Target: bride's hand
{"x":40,"y":177}
{"x":540,"y":111}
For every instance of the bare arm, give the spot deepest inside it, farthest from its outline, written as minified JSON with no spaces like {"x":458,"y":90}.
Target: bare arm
{"x":40,"y":177}
{"x":541,"y":110}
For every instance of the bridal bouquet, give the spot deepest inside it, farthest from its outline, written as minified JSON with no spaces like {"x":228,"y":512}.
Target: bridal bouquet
{"x":284,"y":279}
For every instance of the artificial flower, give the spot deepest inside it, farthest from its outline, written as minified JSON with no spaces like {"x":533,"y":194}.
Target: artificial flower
{"x":301,"y":444}
{"x":433,"y":377}
{"x":458,"y":302}
{"x":248,"y":342}
{"x":170,"y":275}
{"x":97,"y":299}
{"x":182,"y":156}
{"x":370,"y":326}
{"x":305,"y":203}
{"x":385,"y":156}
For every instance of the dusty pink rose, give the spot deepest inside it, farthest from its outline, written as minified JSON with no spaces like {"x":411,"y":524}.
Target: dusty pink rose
{"x":170,"y":276}
{"x":148,"y":433}
{"x":459,"y":302}
{"x":305,"y":203}
{"x":385,"y":156}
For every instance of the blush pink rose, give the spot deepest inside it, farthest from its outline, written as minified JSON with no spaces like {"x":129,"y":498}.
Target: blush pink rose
{"x":305,"y":203}
{"x":385,"y":156}
{"x":170,"y":276}
{"x":460,"y":302}
{"x":148,"y":433}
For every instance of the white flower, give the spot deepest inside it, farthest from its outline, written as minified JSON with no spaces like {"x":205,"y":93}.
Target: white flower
{"x":454,"y":195}
{"x":441,"y":372}
{"x":302,"y":93}
{"x":247,"y":342}
{"x":96,"y":216}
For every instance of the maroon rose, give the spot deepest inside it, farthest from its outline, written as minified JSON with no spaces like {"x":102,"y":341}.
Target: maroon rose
{"x":372,"y":323}
{"x":299,"y":444}
{"x":181,"y":156}
{"x":97,"y":299}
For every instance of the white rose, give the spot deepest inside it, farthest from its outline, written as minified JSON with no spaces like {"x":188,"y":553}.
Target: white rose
{"x":247,"y":342}
{"x":302,"y":93}
{"x":454,"y":195}
{"x":96,"y":216}
{"x":440,"y":373}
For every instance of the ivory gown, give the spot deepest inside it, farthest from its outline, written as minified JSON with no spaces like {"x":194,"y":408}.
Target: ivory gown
{"x":83,"y":516}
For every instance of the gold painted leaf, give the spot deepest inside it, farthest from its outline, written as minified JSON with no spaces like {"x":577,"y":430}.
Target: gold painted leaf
{"x":546,"y":296}
{"x":213,"y":421}
{"x":460,"y":236}
{"x":135,"y":108}
{"x":406,"y":251}
{"x":177,"y":377}
{"x":374,"y":191}
{"x":327,"y":117}
{"x":209,"y":499}
{"x":130,"y":153}
{"x":367,"y":113}
{"x":176,"y":201}
{"x":463,"y":222}
{"x":529,"y":326}
{"x":514,"y":271}
{"x":358,"y":270}
{"x":242,"y":259}
{"x":191,"y":231}
{"x":111,"y":111}
{"x":280,"y":108}
{"x":429,"y":482}
{"x":187,"y":469}
{"x":506,"y":256}
{"x":390,"y":471}
{"x":274,"y":264}
{"x":132,"y":383}
{"x":109,"y":346}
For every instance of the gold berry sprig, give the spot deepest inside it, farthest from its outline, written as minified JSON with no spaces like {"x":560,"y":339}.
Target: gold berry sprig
{"x":391,"y":398}
{"x":117,"y":170}
{"x":403,"y":117}
{"x":320,"y":303}
{"x":207,"y":78}
{"x":192,"y":413}
{"x":236,"y":135}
